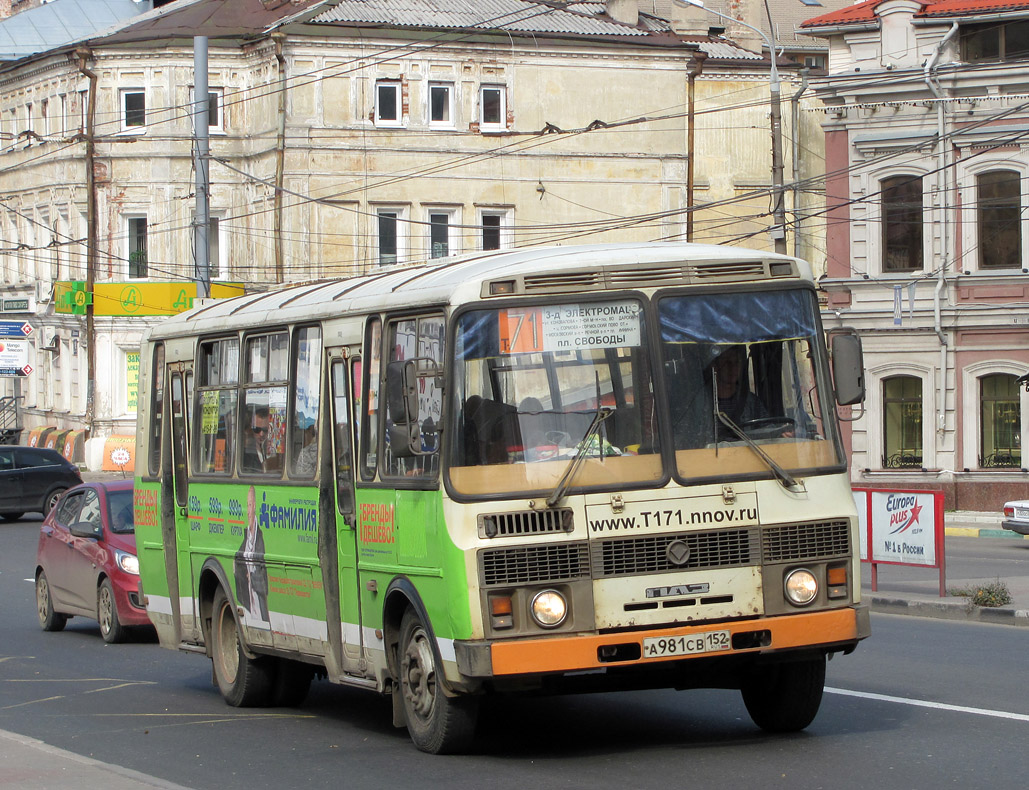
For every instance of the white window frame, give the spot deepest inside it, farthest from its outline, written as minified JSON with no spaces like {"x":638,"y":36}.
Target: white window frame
{"x":453,"y":227}
{"x":968,"y":177}
{"x":488,"y":126}
{"x":402,"y":224}
{"x":505,"y":227}
{"x":449,"y":87}
{"x":123,"y":95}
{"x":128,"y":220}
{"x":219,"y":101}
{"x":872,"y":183}
{"x":398,"y":86}
{"x":876,"y":414}
{"x":971,"y":407}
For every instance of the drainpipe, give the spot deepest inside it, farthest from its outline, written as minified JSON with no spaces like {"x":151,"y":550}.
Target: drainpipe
{"x":795,"y":160}
{"x":280,"y":157}
{"x":941,"y":186}
{"x":696,"y":65}
{"x":84,"y":54}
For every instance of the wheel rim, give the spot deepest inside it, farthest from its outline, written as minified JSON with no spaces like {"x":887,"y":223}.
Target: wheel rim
{"x":226,"y":647}
{"x":419,"y":673}
{"x":42,"y":598}
{"x":105,"y":607}
{"x":52,"y":501}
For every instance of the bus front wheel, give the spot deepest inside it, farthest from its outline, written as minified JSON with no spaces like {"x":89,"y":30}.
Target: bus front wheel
{"x":785,"y":697}
{"x":437,"y":724}
{"x":243,"y":682}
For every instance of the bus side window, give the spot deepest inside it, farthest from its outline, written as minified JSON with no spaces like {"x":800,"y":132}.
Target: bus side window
{"x":156,"y":408}
{"x":264,"y":404}
{"x":304,"y":418}
{"x":215,"y":425}
{"x":369,"y":432}
{"x":420,"y":339}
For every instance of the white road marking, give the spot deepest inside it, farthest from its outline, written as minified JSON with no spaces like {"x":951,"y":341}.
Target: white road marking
{"x":919,"y":703}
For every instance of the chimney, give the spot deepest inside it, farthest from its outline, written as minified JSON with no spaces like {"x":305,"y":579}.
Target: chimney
{"x":625,"y":11}
{"x":751,"y":12}
{"x":689,"y":20}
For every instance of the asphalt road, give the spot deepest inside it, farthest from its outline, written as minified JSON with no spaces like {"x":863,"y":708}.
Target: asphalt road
{"x":922,"y":704}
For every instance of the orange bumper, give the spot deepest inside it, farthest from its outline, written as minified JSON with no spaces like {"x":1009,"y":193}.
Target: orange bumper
{"x":566,"y":654}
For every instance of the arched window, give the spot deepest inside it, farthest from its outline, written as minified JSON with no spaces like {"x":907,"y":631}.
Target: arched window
{"x":999,"y":217}
{"x":1000,"y":440}
{"x":902,"y":422}
{"x":902,"y":223}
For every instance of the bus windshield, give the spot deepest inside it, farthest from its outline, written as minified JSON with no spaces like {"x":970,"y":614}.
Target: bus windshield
{"x":742,"y":369}
{"x":529,"y":383}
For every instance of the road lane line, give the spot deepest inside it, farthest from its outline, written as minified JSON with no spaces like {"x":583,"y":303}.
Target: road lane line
{"x":919,"y":703}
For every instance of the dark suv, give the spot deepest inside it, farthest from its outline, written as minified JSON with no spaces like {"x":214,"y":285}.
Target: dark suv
{"x":32,"y":479}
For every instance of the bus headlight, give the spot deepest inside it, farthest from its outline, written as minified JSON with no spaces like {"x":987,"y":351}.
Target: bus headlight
{"x":549,"y":608}
{"x":801,"y":587}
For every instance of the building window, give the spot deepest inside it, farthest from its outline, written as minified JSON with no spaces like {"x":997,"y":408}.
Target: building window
{"x":133,"y":104}
{"x":1000,"y":220}
{"x":441,"y":104}
{"x":902,"y":422}
{"x":387,"y":103}
{"x":494,"y":230}
{"x":439,"y":234}
{"x":995,"y":41}
{"x":816,"y":62}
{"x":215,"y":97}
{"x":492,"y":109}
{"x":216,"y":250}
{"x":902,"y":223}
{"x":137,"y":246}
{"x":1000,"y":442}
{"x":390,"y":235}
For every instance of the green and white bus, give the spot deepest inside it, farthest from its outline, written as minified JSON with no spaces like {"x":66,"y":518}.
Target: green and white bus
{"x":546,"y":470}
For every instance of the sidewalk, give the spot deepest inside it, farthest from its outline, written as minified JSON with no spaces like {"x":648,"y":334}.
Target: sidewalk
{"x":921,"y":597}
{"x":29,"y":764}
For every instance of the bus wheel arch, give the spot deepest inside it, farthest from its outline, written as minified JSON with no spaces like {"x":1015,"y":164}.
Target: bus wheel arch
{"x":244,"y":682}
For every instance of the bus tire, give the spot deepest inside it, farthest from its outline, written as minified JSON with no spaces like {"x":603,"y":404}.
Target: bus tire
{"x":291,"y":684}
{"x":785,"y":697}
{"x":243,"y":682}
{"x":437,"y":724}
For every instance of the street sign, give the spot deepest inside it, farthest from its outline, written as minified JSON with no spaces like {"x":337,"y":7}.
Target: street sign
{"x":18,"y":329}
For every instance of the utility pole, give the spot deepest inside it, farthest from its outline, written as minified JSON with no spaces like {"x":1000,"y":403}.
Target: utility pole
{"x":84,"y":54}
{"x":201,"y":149}
{"x":778,"y":229}
{"x":696,"y":65}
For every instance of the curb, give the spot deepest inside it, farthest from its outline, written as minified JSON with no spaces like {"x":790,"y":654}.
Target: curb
{"x":977,"y":532}
{"x":949,"y":610}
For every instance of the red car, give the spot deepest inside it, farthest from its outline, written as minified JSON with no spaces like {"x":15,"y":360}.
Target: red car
{"x":86,"y":563}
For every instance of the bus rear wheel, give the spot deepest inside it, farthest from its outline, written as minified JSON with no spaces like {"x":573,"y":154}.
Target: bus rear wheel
{"x":437,"y":724}
{"x":785,"y":697}
{"x":243,"y":682}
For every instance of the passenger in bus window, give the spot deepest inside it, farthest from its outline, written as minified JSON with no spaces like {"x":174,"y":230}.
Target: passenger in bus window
{"x":255,"y":452}
{"x":308,"y":455}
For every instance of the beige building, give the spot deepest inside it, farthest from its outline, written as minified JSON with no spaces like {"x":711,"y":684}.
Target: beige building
{"x":349,"y":135}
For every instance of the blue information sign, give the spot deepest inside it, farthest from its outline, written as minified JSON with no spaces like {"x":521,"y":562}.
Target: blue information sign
{"x":15,"y":329}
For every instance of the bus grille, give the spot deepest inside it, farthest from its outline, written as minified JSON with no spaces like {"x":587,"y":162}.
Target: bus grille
{"x":791,"y":542}
{"x":728,"y":548}
{"x":534,"y":564}
{"x":525,"y":522}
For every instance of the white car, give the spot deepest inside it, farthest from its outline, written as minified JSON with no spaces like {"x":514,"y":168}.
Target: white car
{"x":1016,"y":516}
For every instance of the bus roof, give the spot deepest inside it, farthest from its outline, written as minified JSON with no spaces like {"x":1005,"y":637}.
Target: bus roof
{"x":461,"y":279}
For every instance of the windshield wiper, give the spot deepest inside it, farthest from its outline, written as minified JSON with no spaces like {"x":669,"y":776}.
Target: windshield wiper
{"x":785,"y":478}
{"x":603,"y":412}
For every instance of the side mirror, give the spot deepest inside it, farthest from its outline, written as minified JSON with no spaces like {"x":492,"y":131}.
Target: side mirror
{"x":83,"y":529}
{"x":402,"y":392}
{"x":848,"y":370}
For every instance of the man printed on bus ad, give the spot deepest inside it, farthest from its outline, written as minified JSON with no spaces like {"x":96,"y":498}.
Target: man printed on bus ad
{"x":249,"y":569}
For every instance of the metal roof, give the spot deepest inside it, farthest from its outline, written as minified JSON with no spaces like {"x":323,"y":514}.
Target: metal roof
{"x":523,"y":16}
{"x":445,"y":281}
{"x":61,"y":22}
{"x":865,"y":13}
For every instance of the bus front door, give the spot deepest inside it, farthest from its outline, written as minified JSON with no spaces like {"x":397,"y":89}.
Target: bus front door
{"x":176,"y":518}
{"x":342,"y":369}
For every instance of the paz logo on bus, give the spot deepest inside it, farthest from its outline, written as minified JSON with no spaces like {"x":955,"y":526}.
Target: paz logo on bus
{"x":678,"y":589}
